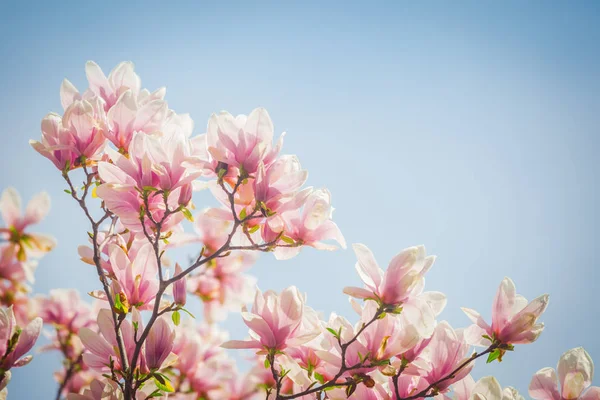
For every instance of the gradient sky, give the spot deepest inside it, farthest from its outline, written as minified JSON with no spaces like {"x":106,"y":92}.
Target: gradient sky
{"x":470,"y":127}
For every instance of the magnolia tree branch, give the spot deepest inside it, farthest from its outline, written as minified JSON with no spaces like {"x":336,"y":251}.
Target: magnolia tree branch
{"x":431,"y":390}
{"x":343,"y":367}
{"x":154,"y":239}
{"x":72,"y":364}
{"x":96,"y":248}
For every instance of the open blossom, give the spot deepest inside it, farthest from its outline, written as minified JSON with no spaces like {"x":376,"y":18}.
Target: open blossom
{"x":11,"y":268}
{"x":243,"y":141}
{"x":78,"y":135}
{"x":63,"y":307}
{"x":575,"y":373}
{"x":102,"y":347}
{"x":25,"y":243}
{"x":155,"y":162}
{"x":277,"y":184}
{"x":309,"y":225}
{"x":403,"y":279}
{"x":14,"y":342}
{"x":446,"y":351}
{"x":487,"y":388}
{"x":514,"y":320}
{"x":120,"y":79}
{"x":131,"y":114}
{"x":136,"y":278}
{"x":278,"y":321}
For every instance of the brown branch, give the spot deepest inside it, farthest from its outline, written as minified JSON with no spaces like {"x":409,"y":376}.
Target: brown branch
{"x":97,"y":260}
{"x":343,"y":368}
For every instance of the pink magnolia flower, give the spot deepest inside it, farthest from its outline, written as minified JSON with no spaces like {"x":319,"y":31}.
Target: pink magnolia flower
{"x":308,"y":226}
{"x":77,"y":136}
{"x":120,"y":79}
{"x":79,"y":381}
{"x":278,"y":321}
{"x":487,"y":388}
{"x":243,"y":141}
{"x":446,"y":351}
{"x":64,"y":307}
{"x":514,"y":320}
{"x":155,"y":162}
{"x":211,"y":229}
{"x":225,"y":287}
{"x":136,"y":278}
{"x":409,"y":385}
{"x":158,"y":344}
{"x":404,"y":278}
{"x":102,"y":346}
{"x":14,"y":342}
{"x":394,"y":334}
{"x":198,"y":346}
{"x":575,"y":373}
{"x":130,"y":115}
{"x":12,"y":269}
{"x":277,"y":184}
{"x":27,"y":244}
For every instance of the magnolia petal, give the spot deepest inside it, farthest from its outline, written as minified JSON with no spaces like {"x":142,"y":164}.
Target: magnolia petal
{"x":544,"y":385}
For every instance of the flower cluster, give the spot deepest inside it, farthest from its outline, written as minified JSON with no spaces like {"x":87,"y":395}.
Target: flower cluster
{"x":20,"y":249}
{"x":397,"y":349}
{"x":15,"y":342}
{"x":139,"y":164}
{"x":575,"y":373}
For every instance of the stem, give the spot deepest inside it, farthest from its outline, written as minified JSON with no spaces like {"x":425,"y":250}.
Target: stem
{"x":425,"y":392}
{"x":343,"y":368}
{"x":97,"y":261}
{"x":68,"y":375}
{"x":130,"y":387}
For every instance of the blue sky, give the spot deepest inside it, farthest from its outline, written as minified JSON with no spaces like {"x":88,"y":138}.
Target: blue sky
{"x":470,"y":127}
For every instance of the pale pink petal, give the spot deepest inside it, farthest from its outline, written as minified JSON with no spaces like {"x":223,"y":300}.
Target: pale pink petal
{"x":10,"y":206}
{"x":575,"y":371}
{"x":367,"y":267}
{"x":28,"y":337}
{"x":592,"y":393}
{"x":37,"y":208}
{"x":544,"y":385}
{"x":359,"y":293}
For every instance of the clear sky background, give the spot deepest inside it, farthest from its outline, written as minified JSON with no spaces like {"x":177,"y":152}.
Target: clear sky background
{"x":470,"y":127}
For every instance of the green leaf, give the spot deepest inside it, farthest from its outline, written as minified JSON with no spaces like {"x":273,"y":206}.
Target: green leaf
{"x":119,"y":306}
{"x":163,"y":384}
{"x":333,"y":332}
{"x":176,"y":317}
{"x":288,"y":240}
{"x":150,"y":189}
{"x":187,"y":214}
{"x":487,"y":337}
{"x":254,"y":229}
{"x":67,"y":191}
{"x":319,"y":377}
{"x":494,"y":355}
{"x":267,"y":363}
{"x":243,"y":214}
